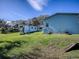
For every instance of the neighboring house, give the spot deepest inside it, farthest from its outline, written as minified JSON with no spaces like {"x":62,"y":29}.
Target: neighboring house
{"x":11,"y":23}
{"x":28,"y":29}
{"x":62,"y":23}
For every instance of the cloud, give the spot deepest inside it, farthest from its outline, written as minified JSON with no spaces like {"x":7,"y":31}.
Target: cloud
{"x":43,"y":2}
{"x":37,"y":4}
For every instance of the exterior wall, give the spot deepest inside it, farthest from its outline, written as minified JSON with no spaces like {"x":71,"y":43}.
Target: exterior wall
{"x":33,"y":28}
{"x":62,"y":24}
{"x":28,"y":28}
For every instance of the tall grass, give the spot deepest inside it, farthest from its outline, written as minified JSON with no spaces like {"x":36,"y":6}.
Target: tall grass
{"x":23,"y":44}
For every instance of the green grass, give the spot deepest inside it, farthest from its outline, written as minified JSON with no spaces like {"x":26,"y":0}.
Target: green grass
{"x":25,"y":43}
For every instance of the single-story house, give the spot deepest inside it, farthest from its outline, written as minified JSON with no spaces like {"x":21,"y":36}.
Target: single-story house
{"x":62,"y":23}
{"x":28,"y":29}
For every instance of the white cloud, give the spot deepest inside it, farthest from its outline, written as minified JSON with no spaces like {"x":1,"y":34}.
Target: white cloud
{"x":37,"y":4}
{"x":43,"y":2}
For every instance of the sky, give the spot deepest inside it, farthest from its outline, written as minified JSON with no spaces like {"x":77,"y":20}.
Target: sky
{"x":26,"y":9}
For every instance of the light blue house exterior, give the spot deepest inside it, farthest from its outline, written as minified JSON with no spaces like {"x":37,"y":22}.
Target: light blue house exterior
{"x":62,"y":23}
{"x":28,"y":29}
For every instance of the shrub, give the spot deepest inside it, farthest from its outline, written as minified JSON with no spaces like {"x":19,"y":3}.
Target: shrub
{"x":4,"y":30}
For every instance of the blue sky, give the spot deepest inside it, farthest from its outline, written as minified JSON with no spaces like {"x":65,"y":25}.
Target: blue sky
{"x":24,"y":9}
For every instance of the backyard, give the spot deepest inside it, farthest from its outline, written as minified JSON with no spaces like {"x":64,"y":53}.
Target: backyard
{"x":28,"y":46}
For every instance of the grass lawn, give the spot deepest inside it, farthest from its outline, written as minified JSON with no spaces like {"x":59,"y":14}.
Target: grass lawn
{"x":13,"y":44}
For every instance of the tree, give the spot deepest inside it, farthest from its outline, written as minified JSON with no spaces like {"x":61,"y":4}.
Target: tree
{"x":35,"y":22}
{"x":2,"y":23}
{"x":38,"y":20}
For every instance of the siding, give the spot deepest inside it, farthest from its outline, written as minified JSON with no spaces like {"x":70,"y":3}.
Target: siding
{"x":30,"y":28}
{"x":63,"y":23}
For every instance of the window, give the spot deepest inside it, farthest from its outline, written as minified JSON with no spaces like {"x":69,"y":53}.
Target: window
{"x":35,"y":28}
{"x":31,"y":27}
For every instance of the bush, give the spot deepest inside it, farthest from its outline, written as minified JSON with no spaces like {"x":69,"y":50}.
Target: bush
{"x":13,"y":30}
{"x":4,"y":30}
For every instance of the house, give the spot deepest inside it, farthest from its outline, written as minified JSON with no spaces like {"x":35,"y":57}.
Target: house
{"x":28,"y":29}
{"x":62,"y":23}
{"x":9,"y":23}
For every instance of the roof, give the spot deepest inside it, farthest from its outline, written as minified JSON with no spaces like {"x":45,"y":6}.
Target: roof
{"x":66,"y":13}
{"x":62,"y":14}
{"x":72,"y":46}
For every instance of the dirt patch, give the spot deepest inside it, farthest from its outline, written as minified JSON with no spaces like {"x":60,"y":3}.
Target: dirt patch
{"x":49,"y":52}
